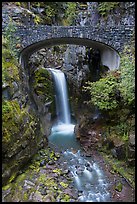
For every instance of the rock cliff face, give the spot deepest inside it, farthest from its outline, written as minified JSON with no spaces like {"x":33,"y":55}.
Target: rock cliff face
{"x":22,"y":133}
{"x":102,"y":14}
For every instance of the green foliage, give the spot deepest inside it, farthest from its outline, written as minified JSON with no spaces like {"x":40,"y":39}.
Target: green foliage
{"x":103,"y":92}
{"x":37,"y":19}
{"x":127,"y":85}
{"x":9,"y":35}
{"x":22,"y":4}
{"x":116,"y":89}
{"x":104,"y":8}
{"x":18,"y":3}
{"x":10,"y":72}
{"x":70,"y":13}
{"x":123,"y":129}
{"x":51,"y":12}
{"x":54,"y":12}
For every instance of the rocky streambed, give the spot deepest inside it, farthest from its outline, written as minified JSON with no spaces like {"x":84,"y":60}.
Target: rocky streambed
{"x":44,"y":180}
{"x":48,"y":179}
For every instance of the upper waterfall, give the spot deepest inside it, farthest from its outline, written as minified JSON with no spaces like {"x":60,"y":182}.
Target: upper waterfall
{"x":61,"y":96}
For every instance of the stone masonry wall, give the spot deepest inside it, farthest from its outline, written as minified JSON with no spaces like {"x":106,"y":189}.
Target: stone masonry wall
{"x":115,"y":37}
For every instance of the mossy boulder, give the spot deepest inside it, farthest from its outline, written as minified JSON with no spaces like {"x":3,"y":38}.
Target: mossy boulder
{"x":118,"y":187}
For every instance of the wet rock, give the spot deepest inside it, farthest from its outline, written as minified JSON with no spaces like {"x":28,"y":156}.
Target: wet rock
{"x":24,"y":144}
{"x":69,"y":67}
{"x":28,"y":184}
{"x":74,"y":151}
{"x":5,"y":194}
{"x":114,"y":153}
{"x":66,"y":171}
{"x":80,"y":170}
{"x":121,"y":151}
{"x":48,"y":198}
{"x":6,"y":174}
{"x":88,"y":186}
{"x":131,"y":162}
{"x":87,"y":153}
{"x":43,"y":191}
{"x":42,"y":163}
{"x":42,"y":153}
{"x":69,"y":192}
{"x":57,"y":155}
{"x":80,"y":192}
{"x":51,"y":162}
{"x":108,"y":143}
{"x":72,"y":200}
{"x":37,"y":197}
{"x":92,"y":133}
{"x":87,"y":164}
{"x":132,"y":139}
{"x":89,"y":169}
{"x":73,"y":161}
{"x":131,"y":150}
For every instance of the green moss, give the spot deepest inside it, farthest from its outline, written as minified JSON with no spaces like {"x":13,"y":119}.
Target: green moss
{"x":43,"y":85}
{"x":4,"y":188}
{"x":64,"y":185}
{"x":12,"y":177}
{"x":52,"y":154}
{"x":66,"y":198}
{"x":121,"y":168}
{"x":118,"y":187}
{"x":21,"y":177}
{"x":25,"y":196}
{"x":58,"y":171}
{"x":20,"y":188}
{"x":42,"y":178}
{"x":50,"y":182}
{"x":9,"y":115}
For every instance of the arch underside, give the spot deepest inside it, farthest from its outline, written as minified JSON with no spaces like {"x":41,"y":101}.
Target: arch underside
{"x":109,"y":56}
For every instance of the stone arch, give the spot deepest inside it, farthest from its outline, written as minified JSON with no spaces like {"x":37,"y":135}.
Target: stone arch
{"x":109,"y":56}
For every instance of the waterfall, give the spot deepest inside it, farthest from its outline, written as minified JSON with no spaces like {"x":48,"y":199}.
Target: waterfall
{"x":62,"y":104}
{"x":86,"y":175}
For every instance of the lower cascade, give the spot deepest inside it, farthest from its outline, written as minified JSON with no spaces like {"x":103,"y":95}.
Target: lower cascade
{"x":88,"y":178}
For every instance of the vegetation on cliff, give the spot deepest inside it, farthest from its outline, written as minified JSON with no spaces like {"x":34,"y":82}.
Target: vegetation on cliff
{"x":19,"y":126}
{"x":49,"y":13}
{"x":114,"y":96}
{"x":117,"y":88}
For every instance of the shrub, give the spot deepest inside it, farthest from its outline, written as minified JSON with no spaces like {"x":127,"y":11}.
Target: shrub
{"x":103,"y":92}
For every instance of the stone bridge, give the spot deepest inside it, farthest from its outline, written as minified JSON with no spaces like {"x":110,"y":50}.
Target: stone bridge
{"x":109,"y":40}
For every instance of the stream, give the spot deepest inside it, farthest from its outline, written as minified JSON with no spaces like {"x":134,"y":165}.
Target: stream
{"x":88,"y":178}
{"x":86,"y":174}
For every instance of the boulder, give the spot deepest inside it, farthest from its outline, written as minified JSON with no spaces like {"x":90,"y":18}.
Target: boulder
{"x":120,"y":150}
{"x":131,"y":149}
